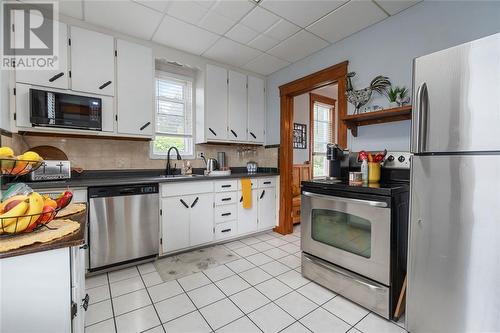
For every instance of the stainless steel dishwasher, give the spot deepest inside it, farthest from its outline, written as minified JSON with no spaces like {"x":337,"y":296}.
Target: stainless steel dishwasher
{"x":124,"y":224}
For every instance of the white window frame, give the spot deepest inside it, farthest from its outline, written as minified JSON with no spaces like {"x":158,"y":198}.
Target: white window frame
{"x":193,"y":115}
{"x":333,"y":134}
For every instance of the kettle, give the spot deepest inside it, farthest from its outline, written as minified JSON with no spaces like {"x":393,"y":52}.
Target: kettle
{"x":212,"y":164}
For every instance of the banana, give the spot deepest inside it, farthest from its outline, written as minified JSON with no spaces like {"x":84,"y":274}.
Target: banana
{"x":32,"y":214}
{"x":15,"y":197}
{"x":10,"y":217}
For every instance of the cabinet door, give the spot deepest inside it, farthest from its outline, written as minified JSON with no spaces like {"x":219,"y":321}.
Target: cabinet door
{"x":247,"y":218}
{"x":237,"y":110}
{"x":92,"y":62}
{"x":216,"y":103}
{"x":175,"y":223}
{"x":267,"y":208}
{"x":201,"y":228}
{"x":134,"y":88}
{"x":256,"y":110}
{"x":56,"y":78}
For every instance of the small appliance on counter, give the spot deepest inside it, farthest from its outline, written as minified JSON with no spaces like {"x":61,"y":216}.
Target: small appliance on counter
{"x":338,"y":161}
{"x":212,"y":165}
{"x":252,"y":167}
{"x":355,"y":238}
{"x":52,"y":170}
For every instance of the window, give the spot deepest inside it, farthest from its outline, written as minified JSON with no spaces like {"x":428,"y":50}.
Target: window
{"x":322,"y":127}
{"x":174,"y":115}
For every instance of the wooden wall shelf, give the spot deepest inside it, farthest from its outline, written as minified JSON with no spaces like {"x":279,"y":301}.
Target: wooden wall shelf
{"x":376,"y":117}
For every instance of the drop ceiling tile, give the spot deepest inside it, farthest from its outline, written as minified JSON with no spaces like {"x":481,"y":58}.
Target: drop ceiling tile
{"x":302,"y":13}
{"x":347,"y":20}
{"x":188,"y":11}
{"x":230,"y":52}
{"x":265,"y":64}
{"x":263,"y":42}
{"x":394,"y":7}
{"x":241,"y":33}
{"x":282,"y":30}
{"x":206,"y":3}
{"x":159,"y":5}
{"x":145,"y":20}
{"x":183,"y":36}
{"x":233,"y":9}
{"x":298,"y":46}
{"x":71,"y":8}
{"x":216,"y":23}
{"x":260,"y":19}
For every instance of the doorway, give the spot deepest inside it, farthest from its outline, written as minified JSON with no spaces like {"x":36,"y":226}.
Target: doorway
{"x":331,"y":76}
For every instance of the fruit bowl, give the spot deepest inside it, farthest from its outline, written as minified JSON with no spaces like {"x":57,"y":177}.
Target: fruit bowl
{"x":22,"y":224}
{"x":15,"y":167}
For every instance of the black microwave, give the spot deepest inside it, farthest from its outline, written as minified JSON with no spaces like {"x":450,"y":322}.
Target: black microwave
{"x":55,"y":109}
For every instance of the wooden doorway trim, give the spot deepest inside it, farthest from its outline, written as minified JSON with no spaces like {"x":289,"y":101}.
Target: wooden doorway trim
{"x":334,"y":74}
{"x":313,"y":98}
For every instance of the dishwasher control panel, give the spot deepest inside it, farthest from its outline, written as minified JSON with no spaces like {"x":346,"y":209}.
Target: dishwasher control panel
{"x":122,"y":190}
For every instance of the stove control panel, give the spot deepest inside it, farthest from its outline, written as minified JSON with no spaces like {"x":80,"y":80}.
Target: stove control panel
{"x":397,"y":160}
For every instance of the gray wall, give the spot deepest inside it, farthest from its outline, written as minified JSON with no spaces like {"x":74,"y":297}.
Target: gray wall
{"x":388,"y":48}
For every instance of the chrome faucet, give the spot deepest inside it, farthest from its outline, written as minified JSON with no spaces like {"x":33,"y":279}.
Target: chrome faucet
{"x":169,"y":170}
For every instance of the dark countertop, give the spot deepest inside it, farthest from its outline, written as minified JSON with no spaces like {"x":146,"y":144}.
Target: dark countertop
{"x":74,"y":239}
{"x":113,"y":177}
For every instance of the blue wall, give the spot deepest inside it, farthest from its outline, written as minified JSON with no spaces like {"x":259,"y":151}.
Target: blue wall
{"x":388,"y":48}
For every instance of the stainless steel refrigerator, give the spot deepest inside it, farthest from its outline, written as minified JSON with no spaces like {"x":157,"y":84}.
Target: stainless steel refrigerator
{"x":454,"y":241}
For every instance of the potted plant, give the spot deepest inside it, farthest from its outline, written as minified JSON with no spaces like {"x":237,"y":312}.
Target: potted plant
{"x":397,"y":96}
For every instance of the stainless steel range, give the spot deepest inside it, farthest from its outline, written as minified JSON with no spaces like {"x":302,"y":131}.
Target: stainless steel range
{"x":354,"y":238}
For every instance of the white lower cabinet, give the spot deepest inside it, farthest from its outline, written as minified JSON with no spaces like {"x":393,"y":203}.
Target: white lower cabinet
{"x":201,"y":212}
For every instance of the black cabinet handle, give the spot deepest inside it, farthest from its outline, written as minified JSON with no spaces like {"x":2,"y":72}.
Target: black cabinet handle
{"x":225,"y":186}
{"x":145,"y":125}
{"x":234,"y":133}
{"x":241,"y":199}
{"x":184,"y":203}
{"x":84,"y":247}
{"x":262,"y":194}
{"x":225,"y":199}
{"x":195,"y":202}
{"x":253,"y":135}
{"x":105,"y":85}
{"x":226,"y":214}
{"x":213,"y":132}
{"x":85,"y":303}
{"x":267,"y":183}
{"x":55,"y":77}
{"x":225,"y":230}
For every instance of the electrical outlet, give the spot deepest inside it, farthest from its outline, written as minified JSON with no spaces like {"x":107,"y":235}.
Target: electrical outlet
{"x":200,"y":154}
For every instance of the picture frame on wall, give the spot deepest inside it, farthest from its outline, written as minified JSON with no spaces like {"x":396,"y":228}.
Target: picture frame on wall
{"x":299,"y":136}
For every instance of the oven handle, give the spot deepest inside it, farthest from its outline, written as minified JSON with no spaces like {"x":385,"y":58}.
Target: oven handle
{"x":347,"y":200}
{"x":341,"y":272}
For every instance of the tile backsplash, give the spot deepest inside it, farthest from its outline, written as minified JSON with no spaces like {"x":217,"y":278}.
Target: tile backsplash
{"x":105,"y":154}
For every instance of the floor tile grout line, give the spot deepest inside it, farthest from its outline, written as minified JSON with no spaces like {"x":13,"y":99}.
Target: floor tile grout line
{"x":228,"y":297}
{"x":112,"y":306}
{"x":151,"y":299}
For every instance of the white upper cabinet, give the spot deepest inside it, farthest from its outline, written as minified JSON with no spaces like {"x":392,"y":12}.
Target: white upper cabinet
{"x":134,"y":89}
{"x":237,"y":110}
{"x":54,"y":78}
{"x":216,"y":100}
{"x":92,"y":62}
{"x":256,"y":109}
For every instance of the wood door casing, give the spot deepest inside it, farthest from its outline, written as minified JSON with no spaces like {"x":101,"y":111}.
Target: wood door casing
{"x":334,"y":74}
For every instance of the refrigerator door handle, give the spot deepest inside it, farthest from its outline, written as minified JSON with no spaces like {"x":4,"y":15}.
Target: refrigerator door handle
{"x":422,"y":98}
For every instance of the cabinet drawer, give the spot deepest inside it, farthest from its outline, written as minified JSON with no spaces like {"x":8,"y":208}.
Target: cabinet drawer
{"x":186,"y":188}
{"x":226,"y":198}
{"x":225,"y":213}
{"x":255,"y":183}
{"x":226,"y":185}
{"x":267,"y":182}
{"x":225,"y":230}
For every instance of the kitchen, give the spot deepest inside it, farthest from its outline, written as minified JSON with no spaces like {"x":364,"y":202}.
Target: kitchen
{"x":169,"y":241}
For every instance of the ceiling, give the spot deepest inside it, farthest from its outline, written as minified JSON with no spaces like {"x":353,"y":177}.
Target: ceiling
{"x":260,"y":37}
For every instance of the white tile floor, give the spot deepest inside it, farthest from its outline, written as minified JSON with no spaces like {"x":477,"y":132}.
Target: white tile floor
{"x":263,"y":291}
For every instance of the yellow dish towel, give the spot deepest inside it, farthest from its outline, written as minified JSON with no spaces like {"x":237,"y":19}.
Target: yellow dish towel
{"x":246,"y":191}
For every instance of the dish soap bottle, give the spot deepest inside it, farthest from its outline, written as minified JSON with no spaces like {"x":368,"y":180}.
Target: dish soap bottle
{"x":364,"y":170}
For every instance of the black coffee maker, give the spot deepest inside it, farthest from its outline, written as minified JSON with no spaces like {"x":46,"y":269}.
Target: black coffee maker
{"x":338,"y":161}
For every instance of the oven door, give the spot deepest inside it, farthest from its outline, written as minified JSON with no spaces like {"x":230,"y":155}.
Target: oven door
{"x":351,"y":233}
